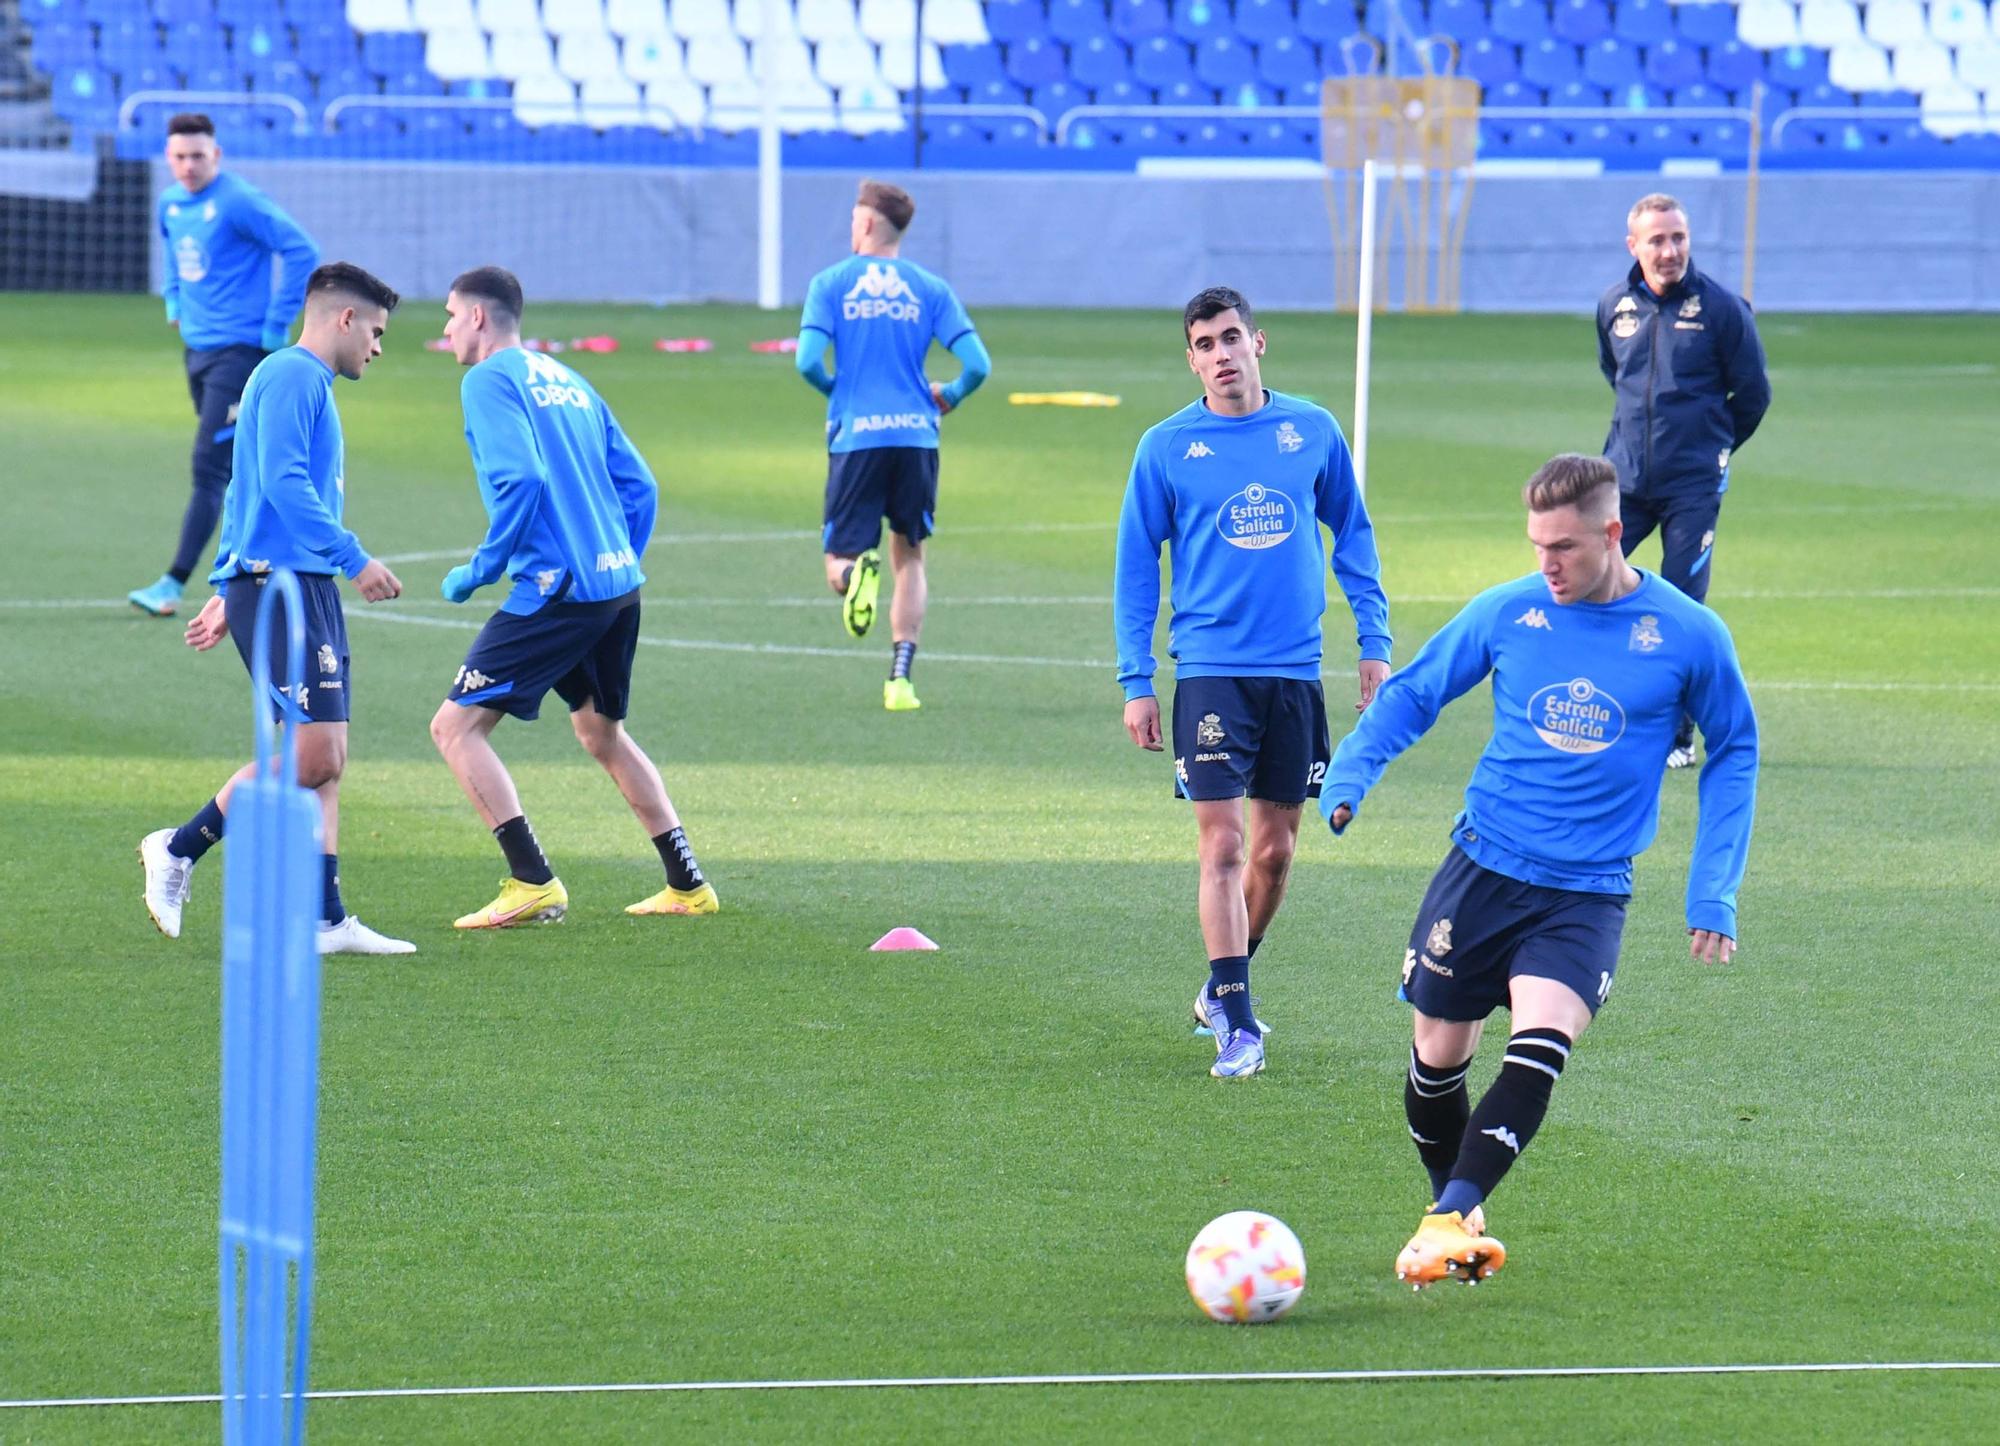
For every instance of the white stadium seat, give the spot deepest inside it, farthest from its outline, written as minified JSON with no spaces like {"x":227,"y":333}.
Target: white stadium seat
{"x":889,"y":22}
{"x":589,"y":55}
{"x":371,"y":16}
{"x":1859,"y":66}
{"x":846,"y":61}
{"x":636,"y":17}
{"x":1770,"y":24}
{"x":653,"y":57}
{"x":1922,"y":65}
{"x":443,"y":15}
{"x":1953,"y":110}
{"x":804,"y":107}
{"x":695,"y":18}
{"x":823,"y":20}
{"x":545,"y":100}
{"x":521,"y":53}
{"x":869,"y":110}
{"x":676,"y":104}
{"x":610,"y":101}
{"x":458,"y":53}
{"x":716,"y":60}
{"x":1958,"y":22}
{"x":790,"y":62}
{"x":1891,"y":23}
{"x":573,"y":17}
{"x":498,"y":15}
{"x":748,"y":18}
{"x":1979,"y":66}
{"x":899,"y":67}
{"x":1828,"y":24}
{"x":955,"y":22}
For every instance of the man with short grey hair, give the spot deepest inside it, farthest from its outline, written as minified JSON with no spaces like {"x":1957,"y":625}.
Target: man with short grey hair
{"x":1687,"y":370}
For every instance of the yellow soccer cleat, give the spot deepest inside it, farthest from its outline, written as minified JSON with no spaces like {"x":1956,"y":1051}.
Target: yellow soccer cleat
{"x":864,"y":580}
{"x":520,"y":903}
{"x":1444,"y":1248}
{"x":900,"y":696}
{"x":677,"y":901}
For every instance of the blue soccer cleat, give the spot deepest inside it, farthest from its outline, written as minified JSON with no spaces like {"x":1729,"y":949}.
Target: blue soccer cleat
{"x":161,"y":600}
{"x":1242,"y":1056}
{"x":1219,"y":1028}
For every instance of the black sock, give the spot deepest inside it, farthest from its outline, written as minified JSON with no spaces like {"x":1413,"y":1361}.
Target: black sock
{"x":1254,"y":942}
{"x":1508,"y":1114}
{"x":199,"y":834}
{"x":331,"y":910}
{"x":1229,"y":986}
{"x":524,"y":854}
{"x":683,"y":872}
{"x":906,"y":657}
{"x":1435,"y":1104}
{"x":180,"y":574}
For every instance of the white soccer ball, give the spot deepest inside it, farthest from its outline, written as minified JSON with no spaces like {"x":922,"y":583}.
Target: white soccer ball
{"x":1246,"y":1267}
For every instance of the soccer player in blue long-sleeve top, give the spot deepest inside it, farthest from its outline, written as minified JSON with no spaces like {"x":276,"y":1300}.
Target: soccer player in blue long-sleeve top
{"x":1238,"y":483}
{"x":1593,"y":663}
{"x":284,"y":509}
{"x":880,"y":314}
{"x":570,"y":504}
{"x":222,"y":235}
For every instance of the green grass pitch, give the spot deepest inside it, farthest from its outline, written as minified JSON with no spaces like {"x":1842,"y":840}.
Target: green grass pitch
{"x":746,"y":1148}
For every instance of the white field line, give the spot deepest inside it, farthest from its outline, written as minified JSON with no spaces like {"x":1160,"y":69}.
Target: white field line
{"x":1203,"y":1378}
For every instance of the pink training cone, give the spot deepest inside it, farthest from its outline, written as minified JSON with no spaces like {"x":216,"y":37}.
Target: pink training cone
{"x":903,"y":938}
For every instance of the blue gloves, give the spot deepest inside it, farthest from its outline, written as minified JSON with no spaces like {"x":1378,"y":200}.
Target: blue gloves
{"x":275,"y":337}
{"x":459,"y":584}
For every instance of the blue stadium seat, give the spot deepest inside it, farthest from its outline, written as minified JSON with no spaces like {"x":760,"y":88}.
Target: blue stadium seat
{"x":1009,"y":21}
{"x":346,"y":80}
{"x":1550,"y":63}
{"x":489,"y":88}
{"x":387,"y":52}
{"x":971,"y":65}
{"x":220,"y":77}
{"x":254,"y":44}
{"x":281,"y":77}
{"x":1733,"y":65}
{"x":1091,"y":134}
{"x":1643,"y":21}
{"x":85,"y":96}
{"x":1305,"y":92}
{"x":322,"y":47}
{"x":1797,"y":67}
{"x":1035,"y":61}
{"x":1260,"y":21}
{"x":1199,"y":20}
{"x":179,"y":12}
{"x":1285,"y":61}
{"x":149,"y":77}
{"x":1462,"y":20}
{"x":128,"y":42}
{"x":1075,"y":21}
{"x":1539,"y":140}
{"x":1513,"y":95}
{"x":1611,"y":63}
{"x":1225,"y":62}
{"x":59,"y":43}
{"x":1136,"y":20}
{"x":1123,"y":92}
{"x":1705,"y":22}
{"x":1187,"y":92}
{"x":196,"y":44}
{"x":998,"y":92}
{"x":1639,"y":97}
{"x":1671,"y":64}
{"x":1698,"y":95}
{"x":1250,"y":96}
{"x":1582,"y":21}
{"x":1579,"y":94}
{"x":52,"y":12}
{"x":1521,"y":21}
{"x":1328,"y":22}
{"x":1161,"y":61}
{"x":1490,"y":61}
{"x":1056,"y":97}
{"x":414,"y":81}
{"x":1825,"y":94}
{"x":1099,"y":62}
{"x":315,"y":12}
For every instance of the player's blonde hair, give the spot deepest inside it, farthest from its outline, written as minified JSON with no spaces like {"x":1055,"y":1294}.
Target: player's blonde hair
{"x":1589,"y":484}
{"x":1656,"y":201}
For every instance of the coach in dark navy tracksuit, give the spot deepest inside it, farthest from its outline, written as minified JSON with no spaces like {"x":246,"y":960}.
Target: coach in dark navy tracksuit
{"x":1687,"y":371}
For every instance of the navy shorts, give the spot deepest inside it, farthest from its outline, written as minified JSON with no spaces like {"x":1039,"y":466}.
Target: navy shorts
{"x":1264,"y":737}
{"x":325,"y":691}
{"x":216,"y":379}
{"x":581,"y":649}
{"x":1477,"y":929}
{"x":899,"y":483}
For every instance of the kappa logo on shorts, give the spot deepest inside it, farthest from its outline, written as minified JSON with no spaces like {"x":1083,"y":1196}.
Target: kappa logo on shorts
{"x":1209,"y":732}
{"x":328,"y":662}
{"x":1409,"y":966}
{"x":471,"y":680}
{"x":1180,"y":769}
{"x":1439,"y":943}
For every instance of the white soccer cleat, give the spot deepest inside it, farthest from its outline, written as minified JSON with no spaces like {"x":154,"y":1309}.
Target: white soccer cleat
{"x":351,"y":936}
{"x":167,"y":876}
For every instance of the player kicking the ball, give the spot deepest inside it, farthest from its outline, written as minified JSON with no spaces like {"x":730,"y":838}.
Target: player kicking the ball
{"x":1593,"y":664}
{"x":570,"y":504}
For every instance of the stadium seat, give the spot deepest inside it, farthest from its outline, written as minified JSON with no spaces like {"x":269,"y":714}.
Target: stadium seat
{"x":1355,"y":54}
{"x":429,"y":15}
{"x":260,"y":41}
{"x":1922,"y":65}
{"x":1100,"y":61}
{"x":1611,"y":63}
{"x":1053,"y":99}
{"x":846,"y":62}
{"x":62,"y":43}
{"x":1225,"y":62}
{"x":1285,"y":61}
{"x":1644,"y":22}
{"x":1733,"y":65}
{"x":970,"y":65}
{"x":1828,"y":24}
{"x":1550,"y":63}
{"x":1035,"y":61}
{"x":1978,"y":66}
{"x":1491,"y":62}
{"x":1582,"y":21}
{"x":179,"y":12}
{"x":1958,"y":22}
{"x":386,"y":52}
{"x":651,"y":58}
{"x":1670,"y":64}
{"x":288,"y":77}
{"x":1010,"y":21}
{"x":1698,"y":95}
{"x":519,"y":53}
{"x":675,"y":103}
{"x":1326,"y":22}
{"x":574,"y":17}
{"x":636,"y":17}
{"x":1261,"y":21}
{"x":1891,"y":23}
{"x":495,"y":16}
{"x":955,"y":22}
{"x":1705,"y":22}
{"x":717,"y":60}
{"x":1521,"y":21}
{"x":1796,"y":67}
{"x":1581,"y":95}
{"x":545,"y":100}
{"x":606,"y":101}
{"x":821,"y":20}
{"x":1136,"y":20}
{"x":1768,"y":24}
{"x":894,"y":22}
{"x":1074,"y":22}
{"x":870,"y":110}
{"x":1639,"y":97}
{"x":899,"y":67}
{"x":1161,"y":61}
{"x":1198,"y":20}
{"x":367,"y":15}
{"x":1952,"y":109}
{"x":587,"y":55}
{"x":1462,"y":20}
{"x":1859,"y":66}
{"x":697,"y":19}
{"x":456,"y":53}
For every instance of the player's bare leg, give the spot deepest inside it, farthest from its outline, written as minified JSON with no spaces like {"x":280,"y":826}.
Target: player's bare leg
{"x":645,"y":793}
{"x":1274,"y":839}
{"x":906,"y":620}
{"x":463,"y":736}
{"x":1225,"y":1003}
{"x":857,"y":578}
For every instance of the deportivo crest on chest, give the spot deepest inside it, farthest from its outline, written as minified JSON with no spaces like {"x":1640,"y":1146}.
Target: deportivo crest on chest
{"x":1646,"y":634}
{"x":1289,"y":437}
{"x":1625,"y":323}
{"x":1691,"y":308}
{"x":1439,"y":943}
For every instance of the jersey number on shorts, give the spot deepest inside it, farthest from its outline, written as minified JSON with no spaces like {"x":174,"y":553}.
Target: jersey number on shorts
{"x":1315,"y":775}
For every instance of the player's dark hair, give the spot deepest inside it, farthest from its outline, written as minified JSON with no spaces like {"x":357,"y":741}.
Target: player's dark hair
{"x":347,"y":279}
{"x":892,"y":203}
{"x":1213,"y":302}
{"x":190,"y":123}
{"x":1589,"y":484}
{"x":495,"y":286}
